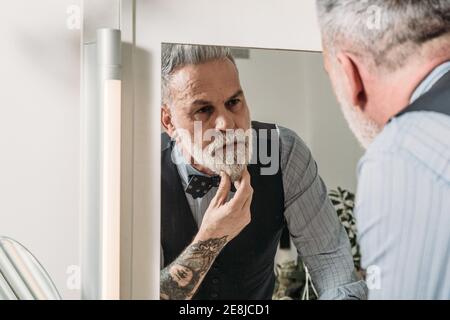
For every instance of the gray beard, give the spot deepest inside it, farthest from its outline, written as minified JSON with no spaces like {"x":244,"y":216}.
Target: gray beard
{"x":364,"y":129}
{"x":233,"y":160}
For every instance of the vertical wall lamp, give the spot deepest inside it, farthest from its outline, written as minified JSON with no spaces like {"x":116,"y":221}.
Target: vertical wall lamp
{"x":101,"y":153}
{"x":109,"y":72}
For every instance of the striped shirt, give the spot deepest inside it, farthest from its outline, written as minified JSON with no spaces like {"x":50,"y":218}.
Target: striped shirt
{"x":320,"y":239}
{"x":403,"y":205}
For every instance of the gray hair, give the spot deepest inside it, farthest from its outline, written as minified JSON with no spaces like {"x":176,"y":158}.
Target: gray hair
{"x":175,"y":56}
{"x":387,"y":31}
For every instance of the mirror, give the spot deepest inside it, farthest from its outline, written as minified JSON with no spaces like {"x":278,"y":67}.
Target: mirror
{"x":289,"y":97}
{"x":22,"y":277}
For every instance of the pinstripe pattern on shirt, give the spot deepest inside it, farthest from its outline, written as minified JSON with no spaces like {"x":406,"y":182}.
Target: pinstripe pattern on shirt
{"x":403,"y":204}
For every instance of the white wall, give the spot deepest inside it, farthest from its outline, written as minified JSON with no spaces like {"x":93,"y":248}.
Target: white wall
{"x":39,"y":133}
{"x":333,"y":145}
{"x":292,"y":89}
{"x":274,"y":88}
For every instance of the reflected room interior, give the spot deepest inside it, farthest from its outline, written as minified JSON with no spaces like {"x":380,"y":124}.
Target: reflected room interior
{"x":292,"y":89}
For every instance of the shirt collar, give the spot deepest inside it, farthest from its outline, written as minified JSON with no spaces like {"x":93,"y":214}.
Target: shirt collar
{"x":430,"y":80}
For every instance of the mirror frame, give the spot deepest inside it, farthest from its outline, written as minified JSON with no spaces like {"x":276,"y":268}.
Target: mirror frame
{"x":157,"y":22}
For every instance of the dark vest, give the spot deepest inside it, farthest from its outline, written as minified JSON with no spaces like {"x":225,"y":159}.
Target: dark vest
{"x":437,"y":99}
{"x":244,"y":270}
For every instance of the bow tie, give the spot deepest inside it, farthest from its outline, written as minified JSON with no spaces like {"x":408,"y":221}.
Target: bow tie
{"x":199,"y":186}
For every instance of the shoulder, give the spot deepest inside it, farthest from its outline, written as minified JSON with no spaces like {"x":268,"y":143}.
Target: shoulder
{"x":293,"y":147}
{"x":420,"y":140}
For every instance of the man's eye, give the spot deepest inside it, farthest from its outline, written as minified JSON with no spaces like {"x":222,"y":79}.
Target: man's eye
{"x":232,"y":102}
{"x":207,"y":109}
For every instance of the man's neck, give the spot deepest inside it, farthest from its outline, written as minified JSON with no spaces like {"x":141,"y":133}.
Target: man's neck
{"x":203,"y":170}
{"x":397,"y":89}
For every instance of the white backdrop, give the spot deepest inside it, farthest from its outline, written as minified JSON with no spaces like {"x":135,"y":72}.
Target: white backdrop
{"x":39,"y":134}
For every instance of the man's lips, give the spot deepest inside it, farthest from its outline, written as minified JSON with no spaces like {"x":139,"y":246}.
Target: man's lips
{"x":230,"y":146}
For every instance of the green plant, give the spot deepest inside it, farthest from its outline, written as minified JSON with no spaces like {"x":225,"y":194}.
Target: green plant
{"x":292,"y":278}
{"x":344,"y":203}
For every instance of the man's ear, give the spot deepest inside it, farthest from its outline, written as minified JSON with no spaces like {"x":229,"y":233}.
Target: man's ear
{"x":166,"y":121}
{"x":355,"y":84}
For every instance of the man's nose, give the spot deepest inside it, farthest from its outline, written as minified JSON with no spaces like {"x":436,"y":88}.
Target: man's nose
{"x":224,"y":121}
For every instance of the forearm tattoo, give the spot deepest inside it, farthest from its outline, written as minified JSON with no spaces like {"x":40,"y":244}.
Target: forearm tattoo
{"x":180,"y":279}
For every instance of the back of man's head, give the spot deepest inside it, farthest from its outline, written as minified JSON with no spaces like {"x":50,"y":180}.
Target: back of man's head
{"x":386,"y":32}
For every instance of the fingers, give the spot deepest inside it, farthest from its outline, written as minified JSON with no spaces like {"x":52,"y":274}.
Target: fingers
{"x":223,"y":190}
{"x":248,"y":202}
{"x":244,"y":191}
{"x":244,"y":177}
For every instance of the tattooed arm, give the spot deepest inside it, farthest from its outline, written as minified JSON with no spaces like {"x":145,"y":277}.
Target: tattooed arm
{"x":222,"y":222}
{"x":181,"y":279}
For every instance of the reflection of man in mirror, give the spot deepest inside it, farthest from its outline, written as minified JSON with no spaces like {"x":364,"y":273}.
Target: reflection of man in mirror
{"x":222,"y":216}
{"x":392,"y":79}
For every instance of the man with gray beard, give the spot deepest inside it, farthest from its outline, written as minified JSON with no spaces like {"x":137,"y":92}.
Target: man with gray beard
{"x":389,"y":63}
{"x":223,"y":205}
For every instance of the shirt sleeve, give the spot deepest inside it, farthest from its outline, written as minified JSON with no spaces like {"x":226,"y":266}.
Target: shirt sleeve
{"x":315,"y":229}
{"x":398,"y":226}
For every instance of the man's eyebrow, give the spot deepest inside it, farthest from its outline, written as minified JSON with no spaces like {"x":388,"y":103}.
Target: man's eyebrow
{"x":200,"y":102}
{"x":237,"y":94}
